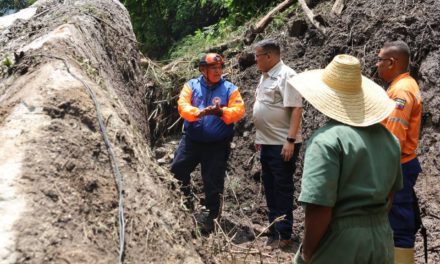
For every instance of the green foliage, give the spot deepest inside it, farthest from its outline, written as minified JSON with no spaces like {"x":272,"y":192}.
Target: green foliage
{"x":8,"y":62}
{"x":191,"y":46}
{"x":160,"y":24}
{"x":12,"y":6}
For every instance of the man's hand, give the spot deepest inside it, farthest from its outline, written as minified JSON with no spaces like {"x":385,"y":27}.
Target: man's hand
{"x":316,"y":222}
{"x":210,"y":110}
{"x":201,"y":113}
{"x":287,"y":151}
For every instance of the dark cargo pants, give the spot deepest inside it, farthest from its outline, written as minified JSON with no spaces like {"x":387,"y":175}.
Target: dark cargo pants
{"x":213,"y":159}
{"x":403,"y":216}
{"x":277,"y":177}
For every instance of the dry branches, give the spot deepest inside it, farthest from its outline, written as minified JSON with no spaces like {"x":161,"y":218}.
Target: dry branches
{"x":262,"y":24}
{"x":312,"y":17}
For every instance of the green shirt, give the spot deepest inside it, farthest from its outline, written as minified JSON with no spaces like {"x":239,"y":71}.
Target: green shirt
{"x":352,"y":169}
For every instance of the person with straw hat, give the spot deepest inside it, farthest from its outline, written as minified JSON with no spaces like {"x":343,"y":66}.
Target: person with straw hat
{"x":404,"y":123}
{"x":351,"y":168}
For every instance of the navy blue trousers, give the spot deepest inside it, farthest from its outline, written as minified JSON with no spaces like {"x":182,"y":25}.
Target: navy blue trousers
{"x":403,"y":215}
{"x":277,"y":177}
{"x":213,"y":159}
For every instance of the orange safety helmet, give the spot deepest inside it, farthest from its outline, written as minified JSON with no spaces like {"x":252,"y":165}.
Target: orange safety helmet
{"x":211,"y":59}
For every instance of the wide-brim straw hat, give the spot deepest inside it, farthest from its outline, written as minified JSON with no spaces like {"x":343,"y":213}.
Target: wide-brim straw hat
{"x":341,"y":92}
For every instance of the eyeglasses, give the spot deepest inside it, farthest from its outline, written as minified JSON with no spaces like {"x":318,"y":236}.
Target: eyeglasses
{"x":258,"y":55}
{"x":384,"y":59}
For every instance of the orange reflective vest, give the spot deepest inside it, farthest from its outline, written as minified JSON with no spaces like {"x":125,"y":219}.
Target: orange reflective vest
{"x":404,"y":121}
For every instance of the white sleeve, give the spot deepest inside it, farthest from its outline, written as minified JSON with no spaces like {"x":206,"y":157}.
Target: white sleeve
{"x":291,"y":97}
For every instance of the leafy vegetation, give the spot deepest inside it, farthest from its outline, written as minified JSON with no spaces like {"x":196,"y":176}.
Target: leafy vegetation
{"x":7,"y":62}
{"x":160,"y":24}
{"x":191,"y":46}
{"x":226,"y":30}
{"x":12,"y":6}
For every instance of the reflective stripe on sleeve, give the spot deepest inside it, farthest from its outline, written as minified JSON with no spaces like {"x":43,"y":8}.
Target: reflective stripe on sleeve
{"x":398,"y":120}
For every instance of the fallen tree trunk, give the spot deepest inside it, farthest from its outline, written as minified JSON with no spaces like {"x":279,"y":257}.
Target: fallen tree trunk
{"x":74,"y":148}
{"x":311,"y":17}
{"x":264,"y":22}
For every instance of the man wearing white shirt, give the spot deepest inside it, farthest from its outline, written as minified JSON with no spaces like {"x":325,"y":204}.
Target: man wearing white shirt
{"x":277,"y":117}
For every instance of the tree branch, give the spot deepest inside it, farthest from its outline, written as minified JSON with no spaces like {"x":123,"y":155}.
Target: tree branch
{"x":251,"y":34}
{"x":338,"y":6}
{"x":311,"y":17}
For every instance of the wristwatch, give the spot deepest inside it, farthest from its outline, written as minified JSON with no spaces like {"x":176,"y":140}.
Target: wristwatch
{"x":291,"y":139}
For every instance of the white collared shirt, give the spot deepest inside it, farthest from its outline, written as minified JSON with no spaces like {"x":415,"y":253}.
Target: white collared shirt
{"x":271,"y":113}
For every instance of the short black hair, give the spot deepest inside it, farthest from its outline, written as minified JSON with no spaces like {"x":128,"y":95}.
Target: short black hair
{"x":269,"y":45}
{"x":400,"y":49}
{"x":398,"y":46}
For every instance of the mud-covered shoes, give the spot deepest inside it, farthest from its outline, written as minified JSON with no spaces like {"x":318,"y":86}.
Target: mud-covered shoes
{"x":274,"y":243}
{"x":271,"y":242}
{"x":205,"y":222}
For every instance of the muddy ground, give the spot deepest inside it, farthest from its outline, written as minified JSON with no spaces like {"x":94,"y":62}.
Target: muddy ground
{"x":361,"y":30}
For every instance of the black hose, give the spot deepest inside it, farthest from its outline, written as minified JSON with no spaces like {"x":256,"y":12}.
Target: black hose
{"x":115,"y":167}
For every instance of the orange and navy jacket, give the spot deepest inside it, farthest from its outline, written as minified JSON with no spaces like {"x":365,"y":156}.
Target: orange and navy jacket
{"x":196,"y":95}
{"x":404,"y":121}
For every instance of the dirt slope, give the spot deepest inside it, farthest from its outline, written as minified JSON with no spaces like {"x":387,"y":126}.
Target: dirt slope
{"x":361,"y":30}
{"x":58,"y":194}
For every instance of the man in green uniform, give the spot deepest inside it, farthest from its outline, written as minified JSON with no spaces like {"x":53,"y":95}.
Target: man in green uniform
{"x":351,"y":168}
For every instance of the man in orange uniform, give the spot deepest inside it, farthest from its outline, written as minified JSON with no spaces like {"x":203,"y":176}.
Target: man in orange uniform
{"x":404,"y":123}
{"x":210,"y":105}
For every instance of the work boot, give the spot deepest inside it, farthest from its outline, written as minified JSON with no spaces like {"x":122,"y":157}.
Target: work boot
{"x":274,"y":243}
{"x":403,"y":255}
{"x":206,"y":223}
{"x":285,"y":244}
{"x":207,"y":227}
{"x":271,"y":242}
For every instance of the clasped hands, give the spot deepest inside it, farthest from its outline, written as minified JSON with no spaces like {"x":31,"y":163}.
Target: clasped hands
{"x":210,"y":110}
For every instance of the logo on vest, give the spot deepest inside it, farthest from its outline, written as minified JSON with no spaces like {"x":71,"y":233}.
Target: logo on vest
{"x":216,"y":100}
{"x":400,"y":103}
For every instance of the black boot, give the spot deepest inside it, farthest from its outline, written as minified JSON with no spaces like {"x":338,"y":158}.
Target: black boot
{"x":207,"y":226}
{"x":205,"y":222}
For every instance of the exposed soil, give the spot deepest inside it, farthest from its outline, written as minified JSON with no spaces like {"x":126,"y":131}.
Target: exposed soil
{"x":57,"y":186}
{"x":361,"y":30}
{"x":59,"y":199}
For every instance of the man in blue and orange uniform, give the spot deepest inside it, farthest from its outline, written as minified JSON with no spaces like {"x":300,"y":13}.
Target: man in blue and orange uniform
{"x":404,"y":123}
{"x":210,"y":105}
